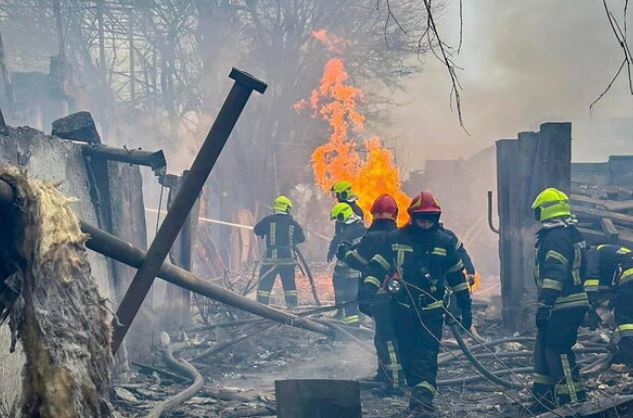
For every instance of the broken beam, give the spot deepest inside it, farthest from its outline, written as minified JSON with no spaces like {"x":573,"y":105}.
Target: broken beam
{"x":124,"y":252}
{"x":185,"y":199}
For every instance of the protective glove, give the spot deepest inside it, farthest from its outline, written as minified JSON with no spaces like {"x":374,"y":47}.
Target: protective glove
{"x":467,"y":318}
{"x":330,"y":256}
{"x":543,"y":315}
{"x":342,"y":250}
{"x":471,"y":279}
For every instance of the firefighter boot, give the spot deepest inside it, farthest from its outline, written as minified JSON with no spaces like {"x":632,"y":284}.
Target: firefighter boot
{"x":421,"y":403}
{"x":421,"y":410}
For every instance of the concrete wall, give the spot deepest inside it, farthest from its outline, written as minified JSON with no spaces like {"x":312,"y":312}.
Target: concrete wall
{"x":62,"y":161}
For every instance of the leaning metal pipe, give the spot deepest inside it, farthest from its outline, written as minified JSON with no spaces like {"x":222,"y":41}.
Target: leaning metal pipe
{"x":124,"y":252}
{"x":473,"y":360}
{"x":189,"y":191}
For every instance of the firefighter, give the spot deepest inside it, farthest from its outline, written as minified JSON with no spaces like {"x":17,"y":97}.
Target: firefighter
{"x":282,"y":233}
{"x":609,"y":279}
{"x":562,"y":303}
{"x":349,"y":229}
{"x":415,"y":265}
{"x":342,"y":192}
{"x":384,"y":212}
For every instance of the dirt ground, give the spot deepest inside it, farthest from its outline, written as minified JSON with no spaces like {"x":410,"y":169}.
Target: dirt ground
{"x":239,"y":378}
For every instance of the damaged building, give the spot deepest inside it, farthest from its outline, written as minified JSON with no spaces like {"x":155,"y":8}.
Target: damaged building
{"x":148,"y":204}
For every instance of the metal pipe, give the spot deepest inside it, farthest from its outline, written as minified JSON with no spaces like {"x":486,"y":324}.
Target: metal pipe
{"x":124,"y":252}
{"x":186,"y":198}
{"x":490,"y":224}
{"x":156,"y":160}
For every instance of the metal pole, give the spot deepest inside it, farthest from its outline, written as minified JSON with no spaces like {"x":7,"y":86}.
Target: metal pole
{"x":154,"y":159}
{"x":124,"y":252}
{"x":490,"y":223}
{"x":187,"y":195}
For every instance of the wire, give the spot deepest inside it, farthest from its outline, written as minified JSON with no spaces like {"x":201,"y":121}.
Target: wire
{"x":406,"y":286}
{"x":160,"y":204}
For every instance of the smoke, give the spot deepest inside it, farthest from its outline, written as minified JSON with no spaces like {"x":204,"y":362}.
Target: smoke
{"x":524,"y":63}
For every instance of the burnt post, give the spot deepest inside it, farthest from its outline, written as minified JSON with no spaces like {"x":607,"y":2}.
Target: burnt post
{"x":186,"y":198}
{"x":525,"y":166}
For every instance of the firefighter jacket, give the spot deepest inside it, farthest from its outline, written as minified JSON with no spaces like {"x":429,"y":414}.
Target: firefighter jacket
{"x":608,"y":266}
{"x":358,"y":257}
{"x":282,"y":233}
{"x":560,"y":266}
{"x":337,"y":226}
{"x":461,"y":251}
{"x":351,"y":233}
{"x":425,"y":261}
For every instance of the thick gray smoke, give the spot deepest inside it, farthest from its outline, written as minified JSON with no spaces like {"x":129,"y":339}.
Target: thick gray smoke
{"x":524,"y":63}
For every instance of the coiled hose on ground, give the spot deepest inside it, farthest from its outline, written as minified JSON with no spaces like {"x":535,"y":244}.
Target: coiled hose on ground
{"x":184,"y":368}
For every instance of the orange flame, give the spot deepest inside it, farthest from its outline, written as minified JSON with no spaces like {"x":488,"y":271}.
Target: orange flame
{"x":335,"y":101}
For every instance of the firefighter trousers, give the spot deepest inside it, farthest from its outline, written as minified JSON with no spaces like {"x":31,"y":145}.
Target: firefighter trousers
{"x":623,"y":312}
{"x":346,"y":290}
{"x":419,"y":335}
{"x":386,"y":342}
{"x":556,"y":374}
{"x":267,"y":275}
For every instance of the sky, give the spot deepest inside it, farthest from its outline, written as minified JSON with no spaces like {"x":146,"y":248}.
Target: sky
{"x":524,"y":63}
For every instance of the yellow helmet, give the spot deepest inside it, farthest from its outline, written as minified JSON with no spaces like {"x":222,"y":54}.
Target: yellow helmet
{"x":342,"y":190}
{"x":341,"y":212}
{"x":282,"y":204}
{"x":551,"y":203}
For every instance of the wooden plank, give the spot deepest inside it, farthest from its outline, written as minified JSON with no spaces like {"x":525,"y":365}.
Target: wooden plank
{"x":595,"y":237}
{"x":611,"y":205}
{"x":506,"y":150}
{"x":609,"y":230}
{"x":595,"y":215}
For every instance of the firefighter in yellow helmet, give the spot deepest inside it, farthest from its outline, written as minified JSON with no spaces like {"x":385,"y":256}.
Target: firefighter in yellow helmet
{"x":342,"y":192}
{"x":349,"y":231}
{"x":282,"y":233}
{"x":609,"y":285}
{"x":562,"y":303}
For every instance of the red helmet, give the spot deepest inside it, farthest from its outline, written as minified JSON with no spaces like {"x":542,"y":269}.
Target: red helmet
{"x":424,"y":203}
{"x":385,"y":205}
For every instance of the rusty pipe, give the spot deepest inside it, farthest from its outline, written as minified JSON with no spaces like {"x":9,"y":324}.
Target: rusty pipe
{"x":185,"y":199}
{"x":490,"y":223}
{"x":124,"y":252}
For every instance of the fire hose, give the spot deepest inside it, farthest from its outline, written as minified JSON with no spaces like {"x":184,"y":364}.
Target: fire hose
{"x":308,"y":273}
{"x":183,"y":367}
{"x":473,"y":360}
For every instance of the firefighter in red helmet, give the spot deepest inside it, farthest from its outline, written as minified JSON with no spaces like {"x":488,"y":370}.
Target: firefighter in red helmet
{"x":384,"y":212}
{"x":415,"y":264}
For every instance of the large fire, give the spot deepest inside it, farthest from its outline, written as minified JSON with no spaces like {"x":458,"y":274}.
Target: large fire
{"x":335,"y":101}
